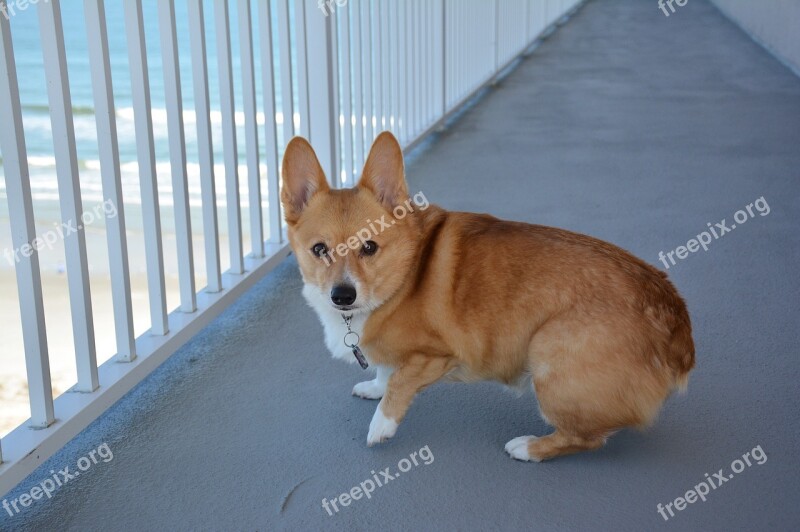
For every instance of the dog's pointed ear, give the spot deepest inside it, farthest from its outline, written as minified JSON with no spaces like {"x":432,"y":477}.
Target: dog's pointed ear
{"x":384,"y":173}
{"x":302,"y":177}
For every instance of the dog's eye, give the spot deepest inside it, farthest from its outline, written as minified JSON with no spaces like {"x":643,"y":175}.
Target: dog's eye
{"x":319,"y":249}
{"x":369,"y":248}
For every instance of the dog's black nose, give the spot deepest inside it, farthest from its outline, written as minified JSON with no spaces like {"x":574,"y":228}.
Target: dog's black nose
{"x":343,"y":294}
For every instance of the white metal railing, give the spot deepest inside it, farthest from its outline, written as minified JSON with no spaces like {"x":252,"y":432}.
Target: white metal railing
{"x":352,"y":69}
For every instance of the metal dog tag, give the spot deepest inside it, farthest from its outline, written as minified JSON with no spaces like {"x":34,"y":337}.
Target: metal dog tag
{"x":362,"y":361}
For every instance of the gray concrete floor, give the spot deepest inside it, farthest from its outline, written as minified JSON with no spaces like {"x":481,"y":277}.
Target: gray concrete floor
{"x":625,"y":125}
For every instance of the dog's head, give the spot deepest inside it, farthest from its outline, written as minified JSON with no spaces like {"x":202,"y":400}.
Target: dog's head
{"x":354,"y":246}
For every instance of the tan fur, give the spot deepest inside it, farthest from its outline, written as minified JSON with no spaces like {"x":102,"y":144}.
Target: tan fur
{"x":604,"y":336}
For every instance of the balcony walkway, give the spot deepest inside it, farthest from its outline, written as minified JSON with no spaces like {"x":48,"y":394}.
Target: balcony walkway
{"x":626,"y":125}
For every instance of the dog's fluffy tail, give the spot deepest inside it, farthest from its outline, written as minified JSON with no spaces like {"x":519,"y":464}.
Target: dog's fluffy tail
{"x":682,"y":357}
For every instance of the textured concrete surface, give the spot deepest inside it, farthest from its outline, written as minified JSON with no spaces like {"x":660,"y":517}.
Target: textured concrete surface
{"x":626,"y":125}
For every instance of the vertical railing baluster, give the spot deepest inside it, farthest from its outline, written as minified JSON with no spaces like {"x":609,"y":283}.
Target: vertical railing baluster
{"x":205,"y":145}
{"x":347,"y":95}
{"x":358,"y":89}
{"x":426,"y":62}
{"x":445,"y":62}
{"x":285,"y":50}
{"x":448,"y":62}
{"x":23,"y":233}
{"x":498,"y":18}
{"x":177,"y":153}
{"x":420,"y":59}
{"x":432,"y":55}
{"x":423,"y":62}
{"x":270,"y":126}
{"x":301,"y":55}
{"x":399,"y":86}
{"x":69,"y":193}
{"x":107,"y":140}
{"x":230,"y":149}
{"x":401,"y":70}
{"x":459,"y":53}
{"x":528,"y":10}
{"x":386,"y":47}
{"x":368,"y":49}
{"x":455,"y":52}
{"x":458,"y":32}
{"x":334,"y":87}
{"x":378,"y":66}
{"x":322,"y":83}
{"x":251,"y":128}
{"x":145,"y":152}
{"x":396,"y":77}
{"x":407,"y":71}
{"x":391,"y":72}
{"x":547,"y":11}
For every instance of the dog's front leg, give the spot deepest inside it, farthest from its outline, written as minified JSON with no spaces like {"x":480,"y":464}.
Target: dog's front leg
{"x":375,"y":388}
{"x":406,"y":381}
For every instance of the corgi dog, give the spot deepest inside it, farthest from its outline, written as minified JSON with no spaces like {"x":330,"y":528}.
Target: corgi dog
{"x":603,"y":337}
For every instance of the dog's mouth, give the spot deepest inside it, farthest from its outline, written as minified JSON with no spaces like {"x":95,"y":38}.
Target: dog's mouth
{"x":345,"y":308}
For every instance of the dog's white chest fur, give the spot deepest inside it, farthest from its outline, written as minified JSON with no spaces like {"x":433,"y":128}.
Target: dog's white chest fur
{"x":333,"y":324}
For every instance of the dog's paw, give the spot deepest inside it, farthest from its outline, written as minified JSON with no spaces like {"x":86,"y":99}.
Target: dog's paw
{"x":381,"y":428}
{"x":518,"y":449}
{"x":369,"y":389}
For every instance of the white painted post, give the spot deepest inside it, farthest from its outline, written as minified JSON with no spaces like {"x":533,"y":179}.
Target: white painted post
{"x":230,"y":150}
{"x":427,"y":35}
{"x":396,"y":73}
{"x":445,"y":63}
{"x":379,"y":66}
{"x":251,"y":129}
{"x":358,"y":89}
{"x":116,"y":238}
{"x":205,"y":148}
{"x":367,"y":48}
{"x":301,"y":55}
{"x":285,"y":50}
{"x":69,"y":192}
{"x":399,"y":16}
{"x":386,"y":66}
{"x":177,"y":153}
{"x":323,"y":124}
{"x":145,"y":152}
{"x":419,"y":80}
{"x":408,"y":31}
{"x":270,"y":125}
{"x":347,"y":95}
{"x":337,"y":137}
{"x":23,"y":231}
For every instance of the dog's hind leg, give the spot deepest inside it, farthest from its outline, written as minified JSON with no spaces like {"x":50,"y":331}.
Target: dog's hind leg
{"x":556,"y":444}
{"x":405,"y":382}
{"x":591,"y":379}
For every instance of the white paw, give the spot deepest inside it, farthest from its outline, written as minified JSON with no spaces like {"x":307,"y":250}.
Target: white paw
{"x":373,"y":389}
{"x":381,"y":428}
{"x":518,"y":448}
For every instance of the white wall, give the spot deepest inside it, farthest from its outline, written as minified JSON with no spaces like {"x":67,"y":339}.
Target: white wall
{"x":774,"y":23}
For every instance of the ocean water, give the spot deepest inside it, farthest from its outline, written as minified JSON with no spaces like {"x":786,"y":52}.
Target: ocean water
{"x":39,"y":141}
{"x":33,"y":95}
